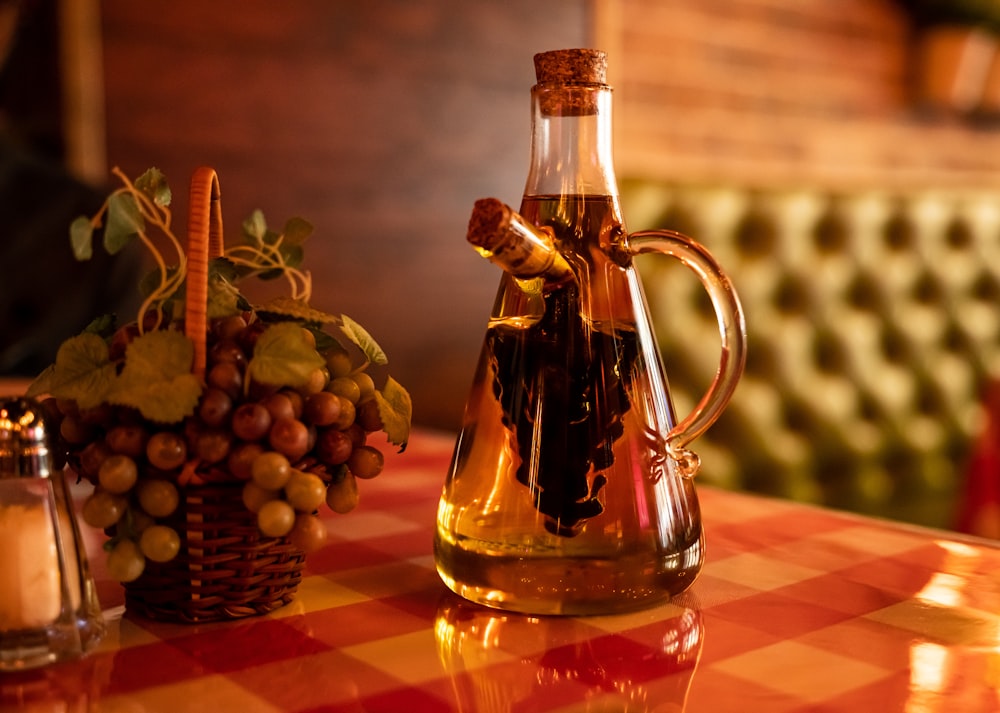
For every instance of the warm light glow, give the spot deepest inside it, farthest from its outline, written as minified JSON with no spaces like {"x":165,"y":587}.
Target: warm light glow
{"x":928,"y":668}
{"x":943,"y":589}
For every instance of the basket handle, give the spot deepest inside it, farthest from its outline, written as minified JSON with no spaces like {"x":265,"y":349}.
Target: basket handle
{"x":204,"y":244}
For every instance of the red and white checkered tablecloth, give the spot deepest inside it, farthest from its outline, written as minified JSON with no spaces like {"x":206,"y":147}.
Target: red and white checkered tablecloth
{"x":797,"y":609}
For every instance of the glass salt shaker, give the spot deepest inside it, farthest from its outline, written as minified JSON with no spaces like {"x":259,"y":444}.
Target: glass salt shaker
{"x":48,"y":601}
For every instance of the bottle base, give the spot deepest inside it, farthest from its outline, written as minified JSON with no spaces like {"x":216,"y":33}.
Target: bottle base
{"x":569,"y":586}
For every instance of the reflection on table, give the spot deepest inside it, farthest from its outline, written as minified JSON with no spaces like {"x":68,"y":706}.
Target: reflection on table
{"x":797,"y":609}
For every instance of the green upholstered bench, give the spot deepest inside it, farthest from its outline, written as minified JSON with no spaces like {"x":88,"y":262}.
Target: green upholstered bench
{"x":873,"y":324}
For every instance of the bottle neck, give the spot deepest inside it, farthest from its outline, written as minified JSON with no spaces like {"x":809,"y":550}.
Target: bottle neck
{"x":571,"y":149}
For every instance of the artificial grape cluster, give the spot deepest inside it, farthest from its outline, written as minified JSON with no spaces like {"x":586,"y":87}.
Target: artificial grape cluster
{"x":293,"y":448}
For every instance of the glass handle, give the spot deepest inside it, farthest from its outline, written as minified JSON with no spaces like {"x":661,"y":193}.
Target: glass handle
{"x":732,"y":330}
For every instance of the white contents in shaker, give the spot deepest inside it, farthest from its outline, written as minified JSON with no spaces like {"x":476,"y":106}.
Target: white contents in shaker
{"x":30,"y":586}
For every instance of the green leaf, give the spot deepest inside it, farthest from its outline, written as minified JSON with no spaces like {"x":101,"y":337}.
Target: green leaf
{"x":297,"y":230}
{"x":395,"y":408}
{"x":83,"y":372}
{"x":154,"y":184}
{"x":324,"y":340}
{"x":293,"y":255}
{"x":81,"y":238}
{"x":223,"y":297}
{"x":124,"y":222}
{"x":224,"y":268}
{"x":103,"y":326}
{"x":157,"y":377}
{"x":296,"y":309}
{"x":254,"y":228}
{"x":357,"y":334}
{"x":284,"y":356}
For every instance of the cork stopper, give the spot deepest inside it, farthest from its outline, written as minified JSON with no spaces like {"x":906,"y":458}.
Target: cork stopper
{"x":490,"y":221}
{"x":506,"y":239}
{"x":571,"y":66}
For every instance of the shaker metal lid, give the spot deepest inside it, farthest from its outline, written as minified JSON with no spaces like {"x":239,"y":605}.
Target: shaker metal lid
{"x":571,"y":66}
{"x":24,"y":439}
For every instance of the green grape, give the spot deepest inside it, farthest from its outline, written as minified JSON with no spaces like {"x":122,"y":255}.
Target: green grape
{"x":346,"y":387}
{"x":309,"y":533}
{"x":271,"y":470}
{"x":276,"y":518}
{"x":365,"y":385}
{"x":254,"y":496}
{"x":338,"y":361}
{"x":305,"y":491}
{"x":347,"y":415}
{"x":125,"y":561}
{"x":166,"y":450}
{"x":318,"y":380}
{"x":366,"y":462}
{"x":102,"y":509}
{"x":342,"y":495}
{"x":160,"y":543}
{"x":117,"y":474}
{"x":158,"y":498}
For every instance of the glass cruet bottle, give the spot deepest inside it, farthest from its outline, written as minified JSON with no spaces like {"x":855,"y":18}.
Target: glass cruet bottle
{"x":571,"y":489}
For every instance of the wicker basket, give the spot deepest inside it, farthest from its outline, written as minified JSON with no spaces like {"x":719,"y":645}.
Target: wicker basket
{"x":226,"y":568}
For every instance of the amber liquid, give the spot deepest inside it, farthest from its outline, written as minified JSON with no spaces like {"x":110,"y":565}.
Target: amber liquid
{"x":560,"y":498}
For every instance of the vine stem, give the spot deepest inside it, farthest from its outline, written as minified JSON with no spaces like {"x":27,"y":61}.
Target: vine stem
{"x":160,"y":217}
{"x":300,"y":282}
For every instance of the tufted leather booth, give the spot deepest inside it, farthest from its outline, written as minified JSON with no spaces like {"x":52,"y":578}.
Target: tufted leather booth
{"x":873,"y":325}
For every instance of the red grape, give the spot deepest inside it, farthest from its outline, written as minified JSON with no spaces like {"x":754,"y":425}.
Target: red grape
{"x":251,"y":421}
{"x":129,"y":439}
{"x":215,"y":407}
{"x":241,"y":459}
{"x":322,"y":409}
{"x":366,"y":462}
{"x":228,"y":376}
{"x":369,"y":417}
{"x":290,"y":437}
{"x":333,"y":447}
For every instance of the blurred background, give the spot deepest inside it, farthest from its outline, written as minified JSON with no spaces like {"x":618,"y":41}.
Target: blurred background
{"x":841,"y":160}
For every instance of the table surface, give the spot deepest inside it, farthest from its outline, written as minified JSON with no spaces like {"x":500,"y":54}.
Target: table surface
{"x":797,"y":609}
